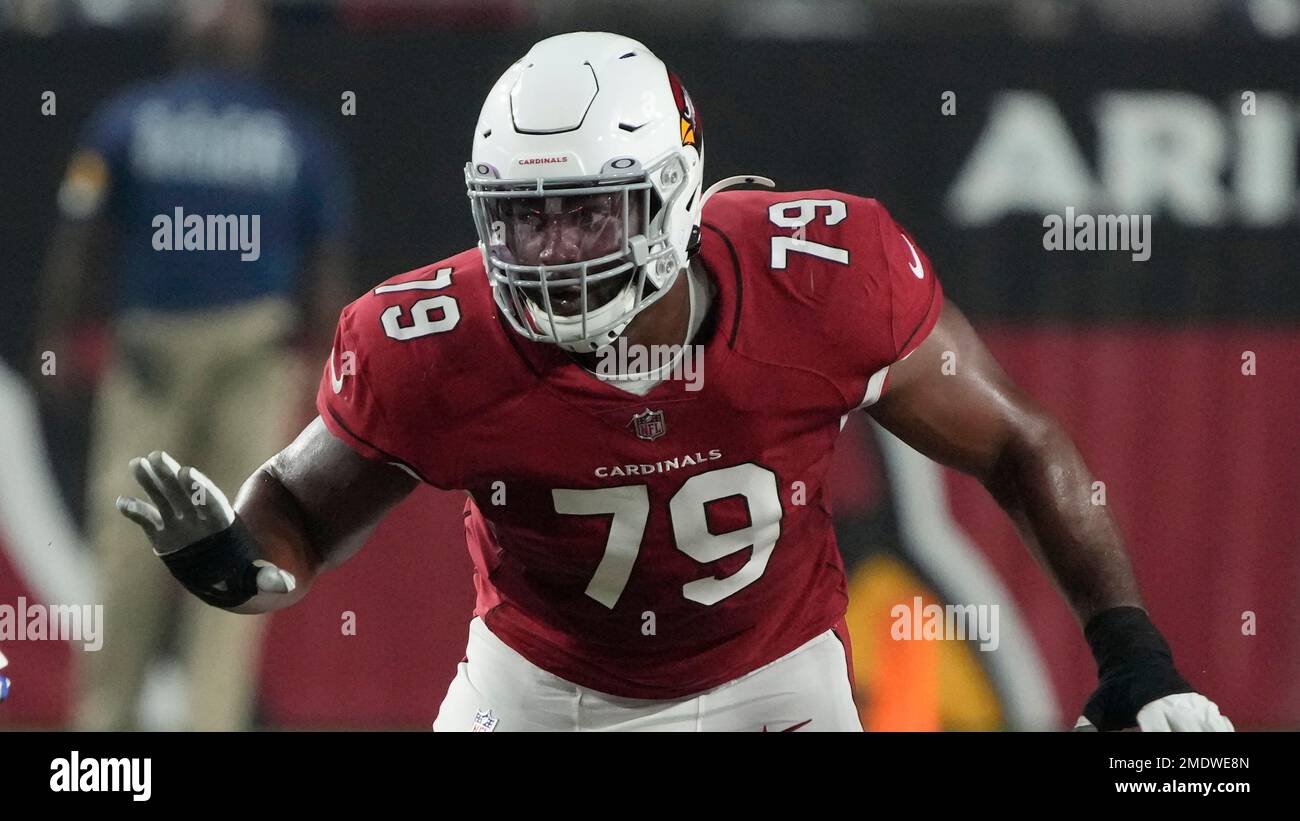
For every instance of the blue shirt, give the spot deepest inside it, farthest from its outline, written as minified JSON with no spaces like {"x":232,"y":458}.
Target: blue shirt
{"x":211,"y":144}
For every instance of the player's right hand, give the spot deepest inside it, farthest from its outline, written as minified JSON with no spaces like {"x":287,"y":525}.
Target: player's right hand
{"x":195,"y":531}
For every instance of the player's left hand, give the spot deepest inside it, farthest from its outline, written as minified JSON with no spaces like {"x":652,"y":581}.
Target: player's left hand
{"x":1138,"y":686}
{"x":1177,"y":713}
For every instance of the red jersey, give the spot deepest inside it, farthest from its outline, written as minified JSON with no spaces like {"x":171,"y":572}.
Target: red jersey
{"x":648,"y":546}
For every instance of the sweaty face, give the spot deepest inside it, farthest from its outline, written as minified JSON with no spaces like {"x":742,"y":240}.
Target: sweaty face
{"x":563,"y":230}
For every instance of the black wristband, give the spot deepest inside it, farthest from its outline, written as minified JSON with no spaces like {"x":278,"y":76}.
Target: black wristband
{"x":1123,"y":634}
{"x":1134,"y":665}
{"x":219,"y":568}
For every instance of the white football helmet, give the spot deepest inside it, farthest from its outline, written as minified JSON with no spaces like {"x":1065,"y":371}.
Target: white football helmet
{"x":585,"y":185}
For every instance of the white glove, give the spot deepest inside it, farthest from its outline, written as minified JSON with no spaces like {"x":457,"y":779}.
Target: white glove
{"x":1183,"y":713}
{"x":1179,"y":713}
{"x":187,"y":507}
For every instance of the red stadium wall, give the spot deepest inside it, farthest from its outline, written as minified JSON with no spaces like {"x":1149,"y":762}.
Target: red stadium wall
{"x":1201,"y":465}
{"x":1202,"y":469}
{"x":40,"y":670}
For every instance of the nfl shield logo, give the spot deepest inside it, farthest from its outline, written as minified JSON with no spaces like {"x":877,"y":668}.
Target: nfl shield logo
{"x":484,"y":722}
{"x":648,"y":425}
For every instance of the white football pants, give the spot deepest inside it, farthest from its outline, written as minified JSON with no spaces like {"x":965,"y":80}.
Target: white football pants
{"x":498,"y":690}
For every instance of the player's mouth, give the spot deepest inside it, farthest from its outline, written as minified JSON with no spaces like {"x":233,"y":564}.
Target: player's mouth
{"x":567,"y":300}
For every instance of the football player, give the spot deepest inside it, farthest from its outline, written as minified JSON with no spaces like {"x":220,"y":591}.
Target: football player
{"x":648,"y":555}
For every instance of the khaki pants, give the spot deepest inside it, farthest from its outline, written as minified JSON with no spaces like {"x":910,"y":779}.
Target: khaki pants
{"x":214,"y":390}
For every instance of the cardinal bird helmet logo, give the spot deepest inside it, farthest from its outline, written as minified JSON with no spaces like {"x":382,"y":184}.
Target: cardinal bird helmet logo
{"x":690,"y":120}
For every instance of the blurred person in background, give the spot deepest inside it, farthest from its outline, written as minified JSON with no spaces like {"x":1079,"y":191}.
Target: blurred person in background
{"x":203,"y":344}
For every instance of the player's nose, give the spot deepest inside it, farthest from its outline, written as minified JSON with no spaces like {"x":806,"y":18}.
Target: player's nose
{"x":560,"y":246}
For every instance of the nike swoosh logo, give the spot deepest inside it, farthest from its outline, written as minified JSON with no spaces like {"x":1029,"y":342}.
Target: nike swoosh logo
{"x":335,"y":381}
{"x":917,"y":270}
{"x":792,"y":728}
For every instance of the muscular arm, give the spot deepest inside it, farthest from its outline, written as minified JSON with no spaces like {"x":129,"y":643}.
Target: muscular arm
{"x":313,"y":505}
{"x":978,"y":421}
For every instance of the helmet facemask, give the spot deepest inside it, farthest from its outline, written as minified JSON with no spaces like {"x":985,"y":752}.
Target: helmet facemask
{"x":572,"y":260}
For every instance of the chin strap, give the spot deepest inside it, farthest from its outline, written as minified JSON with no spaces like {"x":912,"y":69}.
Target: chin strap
{"x":693,"y":245}
{"x":728,"y":182}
